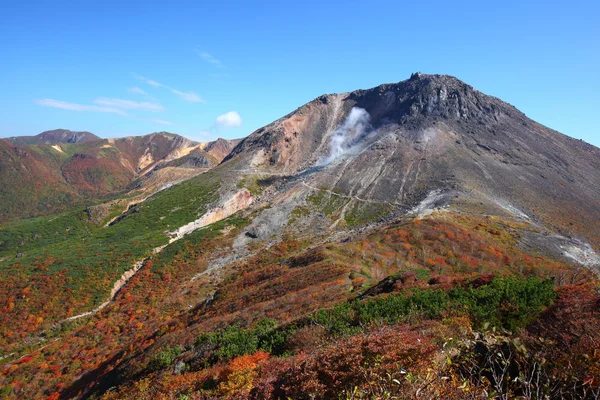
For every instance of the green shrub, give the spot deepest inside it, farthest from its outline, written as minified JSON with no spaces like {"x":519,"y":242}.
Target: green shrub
{"x":234,"y":341}
{"x":339,"y":320}
{"x":6,"y":391}
{"x":509,"y":303}
{"x":164,"y":359}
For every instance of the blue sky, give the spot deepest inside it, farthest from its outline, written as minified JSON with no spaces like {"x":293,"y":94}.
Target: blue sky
{"x":120,"y":68}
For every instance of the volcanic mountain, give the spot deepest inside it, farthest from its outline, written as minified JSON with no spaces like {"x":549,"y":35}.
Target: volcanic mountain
{"x":431,"y":140}
{"x":220,"y":148}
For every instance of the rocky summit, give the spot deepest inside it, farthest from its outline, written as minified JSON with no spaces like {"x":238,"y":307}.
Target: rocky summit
{"x":419,"y":239}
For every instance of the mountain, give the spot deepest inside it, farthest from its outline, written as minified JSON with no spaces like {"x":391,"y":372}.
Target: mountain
{"x":55,"y":136}
{"x":416,"y":239}
{"x":433,"y":135}
{"x":64,"y":169}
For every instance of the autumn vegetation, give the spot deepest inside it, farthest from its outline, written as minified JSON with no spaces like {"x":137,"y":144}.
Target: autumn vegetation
{"x":439,"y":306}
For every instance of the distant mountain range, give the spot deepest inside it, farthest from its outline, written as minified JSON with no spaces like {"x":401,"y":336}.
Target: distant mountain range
{"x":55,"y":136}
{"x":58,"y":169}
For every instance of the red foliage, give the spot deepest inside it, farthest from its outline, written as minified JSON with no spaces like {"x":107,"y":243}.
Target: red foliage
{"x":346,"y":363}
{"x":571,"y":325}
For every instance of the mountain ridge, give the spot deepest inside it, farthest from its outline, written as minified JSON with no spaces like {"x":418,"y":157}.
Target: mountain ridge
{"x":54,"y":136}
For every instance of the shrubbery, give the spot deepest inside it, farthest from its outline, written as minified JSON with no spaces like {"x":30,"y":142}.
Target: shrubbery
{"x":235,"y":341}
{"x":508,"y":303}
{"x":164,"y":359}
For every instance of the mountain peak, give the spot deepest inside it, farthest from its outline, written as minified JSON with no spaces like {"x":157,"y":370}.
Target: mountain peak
{"x":431,"y":96}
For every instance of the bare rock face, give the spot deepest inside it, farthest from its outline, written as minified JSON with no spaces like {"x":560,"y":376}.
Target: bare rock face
{"x":431,"y":140}
{"x":240,"y":200}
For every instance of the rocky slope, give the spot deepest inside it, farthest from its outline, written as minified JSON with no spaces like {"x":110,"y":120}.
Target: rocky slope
{"x":220,"y":148}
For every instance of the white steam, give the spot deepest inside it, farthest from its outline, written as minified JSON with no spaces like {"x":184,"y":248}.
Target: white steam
{"x":346,"y":138}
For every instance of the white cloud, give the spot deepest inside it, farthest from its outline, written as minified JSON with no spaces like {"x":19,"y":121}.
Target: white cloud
{"x":187,"y":96}
{"x":162,"y":122}
{"x":228,"y":120}
{"x":129,"y":104}
{"x":77,"y":107}
{"x":136,"y":90}
{"x":208,"y":58}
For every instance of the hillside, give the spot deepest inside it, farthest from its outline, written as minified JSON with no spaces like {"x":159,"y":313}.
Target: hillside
{"x":417,"y":239}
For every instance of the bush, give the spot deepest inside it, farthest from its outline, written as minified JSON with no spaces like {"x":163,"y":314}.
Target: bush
{"x":337,"y":321}
{"x":510,"y":303}
{"x":395,"y":309}
{"x":234,"y":341}
{"x":164,"y":359}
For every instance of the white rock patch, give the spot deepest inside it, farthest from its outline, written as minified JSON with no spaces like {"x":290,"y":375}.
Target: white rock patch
{"x":584,"y":255}
{"x":427,"y":206}
{"x":239,"y":201}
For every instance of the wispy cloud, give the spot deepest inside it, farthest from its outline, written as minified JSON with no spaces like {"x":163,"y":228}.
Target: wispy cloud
{"x":148,"y":81}
{"x":77,"y":107}
{"x":162,"y":122}
{"x":136,"y":90}
{"x":208,"y":57}
{"x":129,"y":104}
{"x":228,"y":120}
{"x":187,"y":96}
